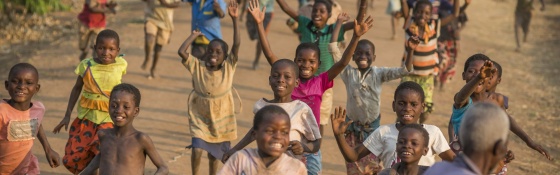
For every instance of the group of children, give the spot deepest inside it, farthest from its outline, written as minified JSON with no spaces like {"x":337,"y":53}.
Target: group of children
{"x":287,"y":129}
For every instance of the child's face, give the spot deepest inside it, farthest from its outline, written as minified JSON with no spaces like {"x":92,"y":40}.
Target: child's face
{"x":107,"y":50}
{"x":272,"y":135}
{"x":122,"y":108}
{"x":22,"y":84}
{"x":282,"y":80}
{"x":472,"y":72}
{"x":215,"y":54}
{"x":308,"y":63}
{"x":422,"y":15}
{"x":493,"y":82}
{"x":364,"y":56}
{"x":411,"y":146}
{"x":408,"y":105}
{"x":319,"y":15}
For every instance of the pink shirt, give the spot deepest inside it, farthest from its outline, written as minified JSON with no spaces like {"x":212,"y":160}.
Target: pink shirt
{"x":311,"y":92}
{"x":18,"y":129}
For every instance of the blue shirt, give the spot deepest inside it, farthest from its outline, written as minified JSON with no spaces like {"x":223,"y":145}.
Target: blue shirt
{"x":205,"y":19}
{"x":457,"y":116}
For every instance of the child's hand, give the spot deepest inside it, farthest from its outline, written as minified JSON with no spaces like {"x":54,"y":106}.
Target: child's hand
{"x":228,"y":154}
{"x":64,"y":123}
{"x":255,"y":11}
{"x":509,"y":156}
{"x":216,"y":5}
{"x":362,"y":27}
{"x":196,"y":33}
{"x":343,"y":17}
{"x":412,"y":43}
{"x":296,"y":147}
{"x":338,"y":121}
{"x":468,"y":1}
{"x":232,"y":9}
{"x":541,"y":150}
{"x":487,"y":70}
{"x":53,"y":158}
{"x":371,"y":170}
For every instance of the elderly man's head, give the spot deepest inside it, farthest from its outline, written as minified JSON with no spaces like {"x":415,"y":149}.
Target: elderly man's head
{"x":484,"y":131}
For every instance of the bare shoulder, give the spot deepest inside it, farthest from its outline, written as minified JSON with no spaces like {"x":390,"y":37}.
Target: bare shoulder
{"x":143,"y":138}
{"x":104,"y":132}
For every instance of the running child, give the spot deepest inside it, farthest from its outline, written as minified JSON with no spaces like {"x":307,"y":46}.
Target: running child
{"x":271,"y":130}
{"x":123,"y":148}
{"x":21,"y":123}
{"x":96,"y":78}
{"x":211,"y":109}
{"x":394,"y":9}
{"x":252,"y":25}
{"x":523,"y":15}
{"x":363,"y":91}
{"x":93,"y":20}
{"x":408,"y":104}
{"x":412,"y":144}
{"x":206,"y":16}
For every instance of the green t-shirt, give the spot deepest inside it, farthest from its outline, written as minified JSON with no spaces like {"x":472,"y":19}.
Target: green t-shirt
{"x":309,"y":34}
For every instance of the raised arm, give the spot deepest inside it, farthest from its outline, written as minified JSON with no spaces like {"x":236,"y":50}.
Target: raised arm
{"x":287,"y":9}
{"x":247,"y":139}
{"x":361,"y":14}
{"x":405,"y":9}
{"x":360,"y":29}
{"x":542,"y":5}
{"x":218,"y":9}
{"x":183,"y":50}
{"x":342,"y":17}
{"x":151,"y":151}
{"x":448,"y":155}
{"x":74,"y":95}
{"x":462,"y":97}
{"x":339,"y":127}
{"x":258,"y":14}
{"x":411,"y":45}
{"x":233,"y":12}
{"x":52,"y":156}
{"x":516,"y":129}
{"x":456,"y":11}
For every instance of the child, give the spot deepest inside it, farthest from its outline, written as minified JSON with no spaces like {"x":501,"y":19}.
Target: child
{"x":363,"y":89}
{"x":211,"y":110}
{"x":206,"y":15}
{"x":395,"y":11}
{"x":271,"y":128}
{"x":252,"y":25}
{"x":21,"y":122}
{"x":123,"y":148}
{"x":408,"y":104}
{"x":96,"y":78}
{"x":425,"y":57}
{"x":93,"y":21}
{"x":523,"y":14}
{"x":157,"y":29}
{"x":304,"y":132}
{"x":412,"y":144}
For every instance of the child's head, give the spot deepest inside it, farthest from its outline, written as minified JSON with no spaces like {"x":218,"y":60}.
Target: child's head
{"x":271,"y":129}
{"x":283,"y":77}
{"x":422,"y":12}
{"x":408,"y":102}
{"x":107,"y":46}
{"x":412,"y":143}
{"x":472,"y":69}
{"x":320,"y":13}
{"x":364,"y":55}
{"x":496,"y":79}
{"x":307,"y":59}
{"x":124,"y":104}
{"x":216,"y":52}
{"x":22,"y":83}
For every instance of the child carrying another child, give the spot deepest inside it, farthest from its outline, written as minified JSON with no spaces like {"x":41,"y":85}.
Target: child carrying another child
{"x":96,"y":78}
{"x":93,"y":20}
{"x":123,"y":149}
{"x":408,"y":104}
{"x":21,"y":123}
{"x":363,"y":89}
{"x":271,"y":129}
{"x":211,"y":109}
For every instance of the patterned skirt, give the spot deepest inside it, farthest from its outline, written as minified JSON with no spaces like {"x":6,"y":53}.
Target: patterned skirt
{"x":82,"y":145}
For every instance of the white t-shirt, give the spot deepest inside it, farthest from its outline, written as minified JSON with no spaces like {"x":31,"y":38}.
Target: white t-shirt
{"x":383,"y":142}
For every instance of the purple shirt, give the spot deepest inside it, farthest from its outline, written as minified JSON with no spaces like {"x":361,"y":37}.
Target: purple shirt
{"x":311,"y":92}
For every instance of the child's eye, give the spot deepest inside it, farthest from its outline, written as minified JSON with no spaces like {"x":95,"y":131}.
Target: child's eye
{"x":413,"y":104}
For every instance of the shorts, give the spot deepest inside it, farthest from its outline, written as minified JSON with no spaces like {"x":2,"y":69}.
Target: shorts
{"x":427,"y":84}
{"x":326,"y":107}
{"x":215,"y":149}
{"x":87,"y":36}
{"x":313,"y":163}
{"x":523,"y":19}
{"x":162,"y":36}
{"x":252,"y":25}
{"x":83,"y":144}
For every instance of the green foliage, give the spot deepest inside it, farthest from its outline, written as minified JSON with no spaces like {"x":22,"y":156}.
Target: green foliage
{"x":40,"y":7}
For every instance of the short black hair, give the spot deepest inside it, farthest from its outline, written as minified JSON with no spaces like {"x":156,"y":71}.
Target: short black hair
{"x":499,"y":67}
{"x":270,"y":109}
{"x":410,"y":85}
{"x":420,"y":129}
{"x":367,"y":42}
{"x":290,"y":63}
{"x":21,"y":66}
{"x":311,"y":46}
{"x":327,"y":4}
{"x":125,"y":87}
{"x":108,"y":33}
{"x":422,"y":2}
{"x":224,"y":46}
{"x":475,"y":57}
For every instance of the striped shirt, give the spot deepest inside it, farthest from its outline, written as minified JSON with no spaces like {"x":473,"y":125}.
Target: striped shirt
{"x":425,"y":58}
{"x":321,"y":37}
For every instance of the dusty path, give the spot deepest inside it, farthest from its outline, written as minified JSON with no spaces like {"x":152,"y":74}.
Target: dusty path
{"x":164,"y":102}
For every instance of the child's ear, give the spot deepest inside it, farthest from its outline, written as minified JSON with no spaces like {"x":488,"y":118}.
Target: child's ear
{"x":373,"y":58}
{"x":394,"y":106}
{"x":38,"y":88}
{"x":297,"y":81}
{"x":463,"y":76}
{"x":425,"y":151}
{"x":136,"y":111}
{"x":499,"y":80}
{"x":253,"y":134}
{"x":6,"y":84}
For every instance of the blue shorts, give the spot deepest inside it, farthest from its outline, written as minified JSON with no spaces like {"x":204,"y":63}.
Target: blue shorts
{"x":314,"y":164}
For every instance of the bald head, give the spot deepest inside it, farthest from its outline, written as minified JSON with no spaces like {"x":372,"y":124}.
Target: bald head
{"x":484,"y":124}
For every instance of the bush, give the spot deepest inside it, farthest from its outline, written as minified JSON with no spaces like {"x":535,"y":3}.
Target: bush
{"x":40,"y":7}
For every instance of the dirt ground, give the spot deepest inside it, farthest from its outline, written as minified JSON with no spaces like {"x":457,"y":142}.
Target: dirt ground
{"x":529,"y":79}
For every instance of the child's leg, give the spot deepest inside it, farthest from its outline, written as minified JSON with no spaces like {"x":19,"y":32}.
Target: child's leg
{"x":313,"y":163}
{"x":162,"y":38}
{"x":326,"y":108}
{"x":195,"y":160}
{"x":82,"y":144}
{"x":516,"y":27}
{"x":84,"y":39}
{"x":150,"y":31}
{"x":525,"y":24}
{"x":213,"y":164}
{"x":393,"y":25}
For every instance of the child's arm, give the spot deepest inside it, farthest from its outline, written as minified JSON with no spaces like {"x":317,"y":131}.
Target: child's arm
{"x":247,"y":139}
{"x":185,"y":46}
{"x":74,"y":95}
{"x":456,"y":12}
{"x":233,"y":12}
{"x":360,"y":17}
{"x":339,"y":127}
{"x":151,"y":151}
{"x":218,"y":9}
{"x":287,"y":9}
{"x":169,"y":5}
{"x":516,"y":129}
{"x":411,"y":45}
{"x":405,"y":9}
{"x":255,"y":11}
{"x":333,"y":46}
{"x":299,"y":148}
{"x":462,"y":97}
{"x":97,"y":8}
{"x":92,"y":166}
{"x":360,"y":29}
{"x":52,"y":156}
{"x":448,"y":155}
